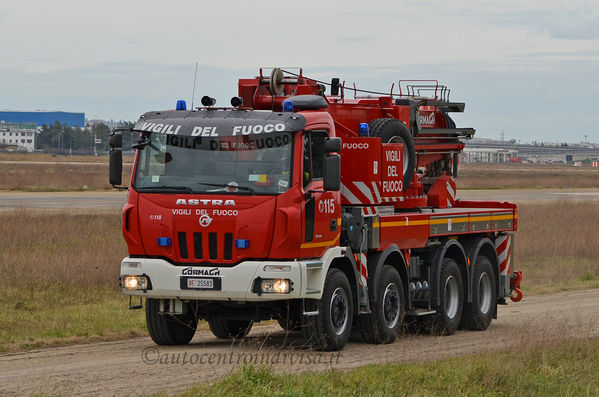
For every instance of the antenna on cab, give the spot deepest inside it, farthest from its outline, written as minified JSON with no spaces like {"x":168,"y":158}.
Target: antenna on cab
{"x":194,"y":86}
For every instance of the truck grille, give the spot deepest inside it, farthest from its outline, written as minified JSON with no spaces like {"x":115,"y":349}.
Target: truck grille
{"x":182,"y":245}
{"x":219,"y":247}
{"x":197,"y":245}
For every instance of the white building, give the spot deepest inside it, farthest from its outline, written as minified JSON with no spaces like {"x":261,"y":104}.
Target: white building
{"x":487,"y":155}
{"x":18,"y":136}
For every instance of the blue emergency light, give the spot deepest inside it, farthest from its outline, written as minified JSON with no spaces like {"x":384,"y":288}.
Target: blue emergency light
{"x":288,"y":106}
{"x":181,"y":105}
{"x":242,"y":243}
{"x":363,"y":131}
{"x":164,"y":241}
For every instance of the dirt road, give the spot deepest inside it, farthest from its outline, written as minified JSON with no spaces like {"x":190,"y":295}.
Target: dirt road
{"x":138,"y":366}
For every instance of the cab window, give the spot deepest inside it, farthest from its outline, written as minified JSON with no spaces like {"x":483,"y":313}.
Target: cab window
{"x":314,"y":156}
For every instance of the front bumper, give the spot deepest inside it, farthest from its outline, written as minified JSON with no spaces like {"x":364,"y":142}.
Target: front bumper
{"x":236,"y":283}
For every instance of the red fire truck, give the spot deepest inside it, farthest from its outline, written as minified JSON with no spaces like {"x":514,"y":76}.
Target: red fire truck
{"x":329,"y":212}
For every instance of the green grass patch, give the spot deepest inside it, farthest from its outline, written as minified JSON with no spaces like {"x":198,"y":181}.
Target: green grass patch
{"x":38,"y":315}
{"x":588,"y":276}
{"x":556,"y":370}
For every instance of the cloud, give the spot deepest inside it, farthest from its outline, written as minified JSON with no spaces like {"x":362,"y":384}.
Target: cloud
{"x":578,"y":22}
{"x":356,"y":39}
{"x":559,"y":55}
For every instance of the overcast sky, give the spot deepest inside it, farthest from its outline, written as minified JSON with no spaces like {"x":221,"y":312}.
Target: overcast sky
{"x":529,"y":68}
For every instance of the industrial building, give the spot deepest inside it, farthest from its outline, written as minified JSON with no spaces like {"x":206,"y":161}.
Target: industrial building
{"x":19,"y":128}
{"x":40,"y":117}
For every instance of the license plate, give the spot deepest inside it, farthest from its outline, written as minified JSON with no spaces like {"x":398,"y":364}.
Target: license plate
{"x":201,"y":283}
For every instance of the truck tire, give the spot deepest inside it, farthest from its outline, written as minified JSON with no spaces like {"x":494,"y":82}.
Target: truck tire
{"x":168,"y":329}
{"x":290,"y":317}
{"x":290,"y":324}
{"x":449,"y":313}
{"x":478,"y":314}
{"x":330,"y":329}
{"x":229,"y":329}
{"x":394,"y":130}
{"x":384,"y":322}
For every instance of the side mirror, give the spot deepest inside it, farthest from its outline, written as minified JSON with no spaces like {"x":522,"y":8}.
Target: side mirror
{"x":115,"y":169}
{"x":332,"y":145}
{"x":115,"y":164}
{"x":332,"y":173}
{"x":335,"y":86}
{"x":116,"y":139}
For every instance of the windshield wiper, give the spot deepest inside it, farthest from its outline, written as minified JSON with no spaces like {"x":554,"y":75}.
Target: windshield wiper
{"x":185,"y":189}
{"x":226,"y":185}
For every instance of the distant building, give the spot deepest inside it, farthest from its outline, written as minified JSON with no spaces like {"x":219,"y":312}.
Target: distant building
{"x":487,"y":155}
{"x":43,"y":117}
{"x":18,"y":136}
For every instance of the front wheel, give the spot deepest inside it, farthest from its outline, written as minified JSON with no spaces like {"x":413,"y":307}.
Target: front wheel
{"x":449,"y":313}
{"x":330,"y":329}
{"x":228,"y":329}
{"x":169,"y":329}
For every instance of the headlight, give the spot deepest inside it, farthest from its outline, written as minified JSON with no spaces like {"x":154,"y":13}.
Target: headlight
{"x":135,"y":283}
{"x":275,"y":286}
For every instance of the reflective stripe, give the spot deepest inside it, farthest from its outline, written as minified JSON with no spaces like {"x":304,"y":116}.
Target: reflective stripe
{"x":321,"y":244}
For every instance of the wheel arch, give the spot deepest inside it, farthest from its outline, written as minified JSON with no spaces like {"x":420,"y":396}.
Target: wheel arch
{"x":392,"y":256}
{"x":450,"y":248}
{"x":347,"y":266}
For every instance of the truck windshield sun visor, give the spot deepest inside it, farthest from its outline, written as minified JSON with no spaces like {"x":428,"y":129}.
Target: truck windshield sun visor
{"x":219,"y":123}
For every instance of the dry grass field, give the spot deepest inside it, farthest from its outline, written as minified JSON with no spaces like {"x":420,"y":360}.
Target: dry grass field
{"x":556,"y":246}
{"x":54,"y":177}
{"x":66,"y":248}
{"x":514,"y":176}
{"x":59,"y":279}
{"x":46,"y":172}
{"x":556,"y":242}
{"x":59,"y":271}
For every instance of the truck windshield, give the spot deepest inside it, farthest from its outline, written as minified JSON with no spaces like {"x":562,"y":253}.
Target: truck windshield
{"x":259,"y":164}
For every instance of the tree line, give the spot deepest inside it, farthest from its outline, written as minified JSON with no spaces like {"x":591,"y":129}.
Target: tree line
{"x":63,"y":139}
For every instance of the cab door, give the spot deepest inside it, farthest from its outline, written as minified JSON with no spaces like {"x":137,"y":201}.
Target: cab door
{"x":321,"y":211}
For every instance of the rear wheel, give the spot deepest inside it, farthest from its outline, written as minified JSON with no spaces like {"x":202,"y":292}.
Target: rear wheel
{"x":384,"y":322}
{"x":169,"y":329}
{"x":449,"y":313}
{"x":228,"y":329}
{"x":330,"y":329}
{"x":479,"y":313}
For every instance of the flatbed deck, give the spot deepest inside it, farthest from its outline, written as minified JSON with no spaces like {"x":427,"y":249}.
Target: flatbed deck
{"x":413,"y":229}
